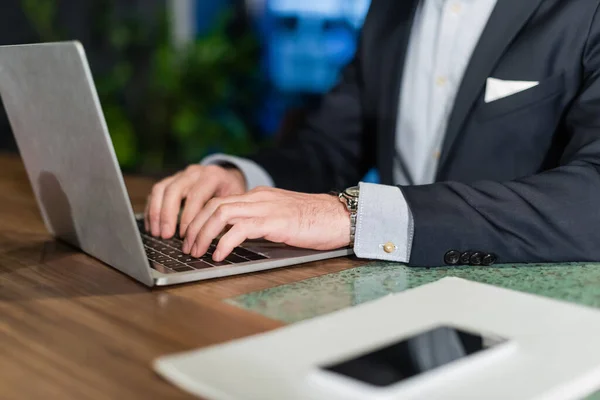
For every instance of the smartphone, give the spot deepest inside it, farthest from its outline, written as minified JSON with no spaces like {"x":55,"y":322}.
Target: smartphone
{"x":443,"y":352}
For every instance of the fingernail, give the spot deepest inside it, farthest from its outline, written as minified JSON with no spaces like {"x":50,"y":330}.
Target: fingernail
{"x":194,"y":248}
{"x":165,"y":230}
{"x":185,"y":247}
{"x":217,"y":256}
{"x":155,"y":229}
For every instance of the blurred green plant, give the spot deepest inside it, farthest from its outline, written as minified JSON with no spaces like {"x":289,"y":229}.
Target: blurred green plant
{"x":165,"y":106}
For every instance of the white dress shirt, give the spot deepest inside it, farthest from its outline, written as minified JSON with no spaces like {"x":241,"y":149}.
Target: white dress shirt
{"x":443,"y":38}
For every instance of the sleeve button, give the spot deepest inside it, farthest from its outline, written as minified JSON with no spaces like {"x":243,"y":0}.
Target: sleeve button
{"x":452,"y":257}
{"x":476,"y":258}
{"x":489,"y":259}
{"x":465,"y":258}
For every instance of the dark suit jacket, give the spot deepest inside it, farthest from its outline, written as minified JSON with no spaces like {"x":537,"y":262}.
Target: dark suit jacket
{"x":518,"y":177}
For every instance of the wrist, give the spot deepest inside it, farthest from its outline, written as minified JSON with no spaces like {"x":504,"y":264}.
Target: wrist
{"x":340,"y":226}
{"x":343,"y":226}
{"x":237,"y":176}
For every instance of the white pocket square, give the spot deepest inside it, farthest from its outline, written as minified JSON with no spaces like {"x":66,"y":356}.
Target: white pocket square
{"x":497,"y":89}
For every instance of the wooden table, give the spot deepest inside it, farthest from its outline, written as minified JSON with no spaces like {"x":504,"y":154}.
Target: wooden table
{"x":72,"y":327}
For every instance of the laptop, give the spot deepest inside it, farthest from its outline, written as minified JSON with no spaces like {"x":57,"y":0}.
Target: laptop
{"x":53,"y":108}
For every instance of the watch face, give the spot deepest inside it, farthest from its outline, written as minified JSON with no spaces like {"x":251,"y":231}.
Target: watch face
{"x":353,"y":191}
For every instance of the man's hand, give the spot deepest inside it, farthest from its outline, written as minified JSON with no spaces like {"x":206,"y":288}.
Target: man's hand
{"x":196,"y":185}
{"x":312,"y":221}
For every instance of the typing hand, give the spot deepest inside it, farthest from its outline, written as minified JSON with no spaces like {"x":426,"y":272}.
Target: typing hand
{"x":312,"y":221}
{"x":196,"y":185}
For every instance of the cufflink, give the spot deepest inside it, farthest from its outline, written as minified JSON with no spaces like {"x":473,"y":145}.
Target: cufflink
{"x":389,"y":247}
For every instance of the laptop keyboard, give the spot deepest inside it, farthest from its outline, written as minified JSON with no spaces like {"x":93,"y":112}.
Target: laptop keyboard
{"x":165,"y":255}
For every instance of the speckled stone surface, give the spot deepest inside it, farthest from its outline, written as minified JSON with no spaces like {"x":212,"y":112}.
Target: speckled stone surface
{"x":577,"y":283}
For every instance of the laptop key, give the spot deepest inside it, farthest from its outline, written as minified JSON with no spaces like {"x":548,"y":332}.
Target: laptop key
{"x":235,"y":259}
{"x":211,"y":249}
{"x":182,"y":268}
{"x":208,"y":259}
{"x":174,"y":243}
{"x":172,"y":263}
{"x":199,"y":264}
{"x":184,"y":258}
{"x":219,"y":264}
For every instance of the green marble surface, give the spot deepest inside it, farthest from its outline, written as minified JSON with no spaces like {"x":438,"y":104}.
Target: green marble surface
{"x":577,"y":283}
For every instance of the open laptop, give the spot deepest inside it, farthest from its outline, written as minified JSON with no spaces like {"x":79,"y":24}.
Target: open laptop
{"x":57,"y":120}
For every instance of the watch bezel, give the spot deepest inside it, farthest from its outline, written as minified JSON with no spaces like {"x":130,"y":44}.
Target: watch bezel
{"x":350,"y":198}
{"x":352,"y":192}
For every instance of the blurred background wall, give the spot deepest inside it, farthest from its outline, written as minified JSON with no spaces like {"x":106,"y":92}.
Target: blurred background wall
{"x":181,"y":79}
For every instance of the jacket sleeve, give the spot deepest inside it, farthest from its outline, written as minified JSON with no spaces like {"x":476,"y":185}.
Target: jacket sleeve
{"x":553,"y":216}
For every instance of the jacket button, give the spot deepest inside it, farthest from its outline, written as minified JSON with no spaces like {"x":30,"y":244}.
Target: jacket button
{"x":489,"y":259}
{"x":465,"y":258}
{"x":452,"y":257}
{"x":476,"y":258}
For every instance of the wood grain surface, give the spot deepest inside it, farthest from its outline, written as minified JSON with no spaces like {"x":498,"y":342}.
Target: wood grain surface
{"x":74,"y":328}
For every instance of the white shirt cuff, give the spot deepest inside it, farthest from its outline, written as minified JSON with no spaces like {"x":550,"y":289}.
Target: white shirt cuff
{"x":383,"y":217}
{"x":254,"y":174}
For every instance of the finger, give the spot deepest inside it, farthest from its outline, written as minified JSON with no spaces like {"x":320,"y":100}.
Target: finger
{"x":174,"y":193}
{"x":209,"y":208}
{"x":193,"y":228}
{"x":224,"y":215}
{"x":198,"y":196}
{"x":248,"y":228}
{"x":155,"y":205}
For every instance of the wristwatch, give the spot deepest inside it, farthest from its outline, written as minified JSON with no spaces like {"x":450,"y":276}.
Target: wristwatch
{"x":350,"y":198}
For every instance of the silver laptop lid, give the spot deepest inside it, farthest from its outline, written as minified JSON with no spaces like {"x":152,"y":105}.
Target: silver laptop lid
{"x":55,"y":114}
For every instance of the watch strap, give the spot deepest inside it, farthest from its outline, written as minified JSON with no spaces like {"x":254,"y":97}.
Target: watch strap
{"x":351,"y":203}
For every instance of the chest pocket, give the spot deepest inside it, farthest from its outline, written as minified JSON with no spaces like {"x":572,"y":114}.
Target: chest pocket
{"x":545,"y":90}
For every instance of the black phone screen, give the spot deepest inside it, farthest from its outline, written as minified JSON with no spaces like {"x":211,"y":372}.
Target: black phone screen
{"x":412,"y":356}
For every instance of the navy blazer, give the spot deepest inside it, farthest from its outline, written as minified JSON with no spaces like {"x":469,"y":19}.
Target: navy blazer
{"x":518,"y":177}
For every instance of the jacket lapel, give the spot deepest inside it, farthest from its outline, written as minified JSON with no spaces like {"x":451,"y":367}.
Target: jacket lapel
{"x":507,"y":19}
{"x":398,"y":25}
